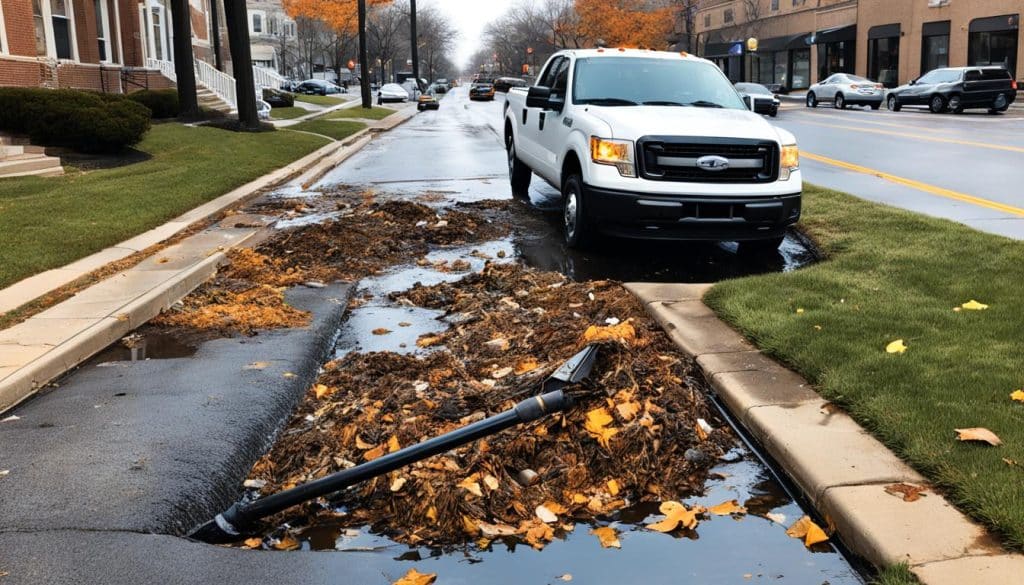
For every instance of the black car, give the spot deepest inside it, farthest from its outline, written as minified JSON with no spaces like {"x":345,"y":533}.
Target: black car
{"x":318,"y":87}
{"x":503,"y":84}
{"x":765,"y":102}
{"x":277,"y":98}
{"x":956,"y":89}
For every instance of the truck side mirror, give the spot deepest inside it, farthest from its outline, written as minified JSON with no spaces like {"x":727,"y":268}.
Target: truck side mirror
{"x":540,"y":97}
{"x":748,"y":101}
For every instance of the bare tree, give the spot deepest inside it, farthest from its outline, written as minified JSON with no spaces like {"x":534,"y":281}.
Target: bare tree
{"x":385,"y":31}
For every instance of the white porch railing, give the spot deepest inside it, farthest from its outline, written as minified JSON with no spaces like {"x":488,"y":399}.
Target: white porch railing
{"x":266,"y":78}
{"x":166,"y":68}
{"x":218,"y":82}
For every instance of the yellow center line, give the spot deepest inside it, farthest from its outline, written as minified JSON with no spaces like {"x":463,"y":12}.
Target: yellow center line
{"x":922,"y":137}
{"x":890,"y":124}
{"x":931,"y":189}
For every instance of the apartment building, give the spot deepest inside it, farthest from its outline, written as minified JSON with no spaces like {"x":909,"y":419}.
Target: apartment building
{"x":273,"y":38}
{"x":100,"y":45}
{"x":795,"y":43}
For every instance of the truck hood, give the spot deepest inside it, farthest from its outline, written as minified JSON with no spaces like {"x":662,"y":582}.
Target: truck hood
{"x":630,"y":123}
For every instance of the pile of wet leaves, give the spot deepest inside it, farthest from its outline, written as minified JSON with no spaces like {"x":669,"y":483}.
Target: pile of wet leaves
{"x":637,"y":432}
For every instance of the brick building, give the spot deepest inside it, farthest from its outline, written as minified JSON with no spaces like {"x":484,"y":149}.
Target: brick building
{"x":100,"y":45}
{"x":800,"y":42}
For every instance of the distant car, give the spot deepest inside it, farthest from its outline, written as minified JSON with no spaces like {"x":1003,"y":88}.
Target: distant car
{"x":428,"y":101}
{"x":318,"y":87}
{"x":764,"y":100}
{"x":481,"y":91}
{"x":442,"y":85}
{"x":289,"y":85}
{"x":845,"y":89}
{"x":956,"y":89}
{"x":392,"y":92}
{"x":503,"y":84}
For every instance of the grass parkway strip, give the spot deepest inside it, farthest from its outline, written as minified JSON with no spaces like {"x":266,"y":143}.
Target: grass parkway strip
{"x":891,"y":274}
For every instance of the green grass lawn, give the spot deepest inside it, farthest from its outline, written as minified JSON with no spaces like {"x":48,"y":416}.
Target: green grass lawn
{"x":896,"y":575}
{"x":48,"y":222}
{"x":336,"y":130}
{"x":373,"y":113}
{"x":288,"y":113}
{"x":892,"y":274}
{"x":320,"y":100}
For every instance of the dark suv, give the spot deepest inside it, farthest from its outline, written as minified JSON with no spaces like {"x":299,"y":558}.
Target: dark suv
{"x":956,"y":89}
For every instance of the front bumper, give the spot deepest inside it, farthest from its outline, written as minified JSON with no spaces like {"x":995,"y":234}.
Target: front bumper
{"x":690,"y":217}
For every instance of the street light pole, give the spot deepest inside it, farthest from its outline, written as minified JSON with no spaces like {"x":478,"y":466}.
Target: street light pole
{"x":364,"y":69}
{"x":414,"y":44}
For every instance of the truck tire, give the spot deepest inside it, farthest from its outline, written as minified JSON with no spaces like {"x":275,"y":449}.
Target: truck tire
{"x":575,"y":217}
{"x":519,"y":174}
{"x":761,"y":247}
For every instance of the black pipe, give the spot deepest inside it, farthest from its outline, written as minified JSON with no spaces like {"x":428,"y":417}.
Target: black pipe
{"x":241,"y":518}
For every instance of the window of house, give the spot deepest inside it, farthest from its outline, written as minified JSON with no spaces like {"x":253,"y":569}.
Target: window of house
{"x":103,"y":29}
{"x":272,"y":25}
{"x":775,"y":4}
{"x":157,"y":24}
{"x":39,"y":20}
{"x":3,"y":32}
{"x":727,"y":16}
{"x":257,"y":23}
{"x":60,"y":18}
{"x":707,"y":21}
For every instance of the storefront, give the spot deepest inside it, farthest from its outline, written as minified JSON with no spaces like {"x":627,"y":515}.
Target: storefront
{"x":934,"y":46}
{"x":884,"y":54}
{"x":837,"y":50}
{"x":993,"y":41}
{"x":728,"y":56}
{"x":781,"y":61}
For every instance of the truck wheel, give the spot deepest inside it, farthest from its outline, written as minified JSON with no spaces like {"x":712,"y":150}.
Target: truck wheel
{"x":574,"y":214}
{"x":519,"y":175}
{"x":761,"y":247}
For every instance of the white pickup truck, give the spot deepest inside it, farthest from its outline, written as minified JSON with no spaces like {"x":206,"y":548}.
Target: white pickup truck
{"x":654,"y":145}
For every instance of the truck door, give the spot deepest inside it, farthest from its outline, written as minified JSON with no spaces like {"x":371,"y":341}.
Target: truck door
{"x":555,"y":126}
{"x":533,"y":121}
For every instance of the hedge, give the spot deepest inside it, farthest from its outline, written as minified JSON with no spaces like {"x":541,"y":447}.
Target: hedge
{"x":162,"y":102}
{"x":84,"y":121}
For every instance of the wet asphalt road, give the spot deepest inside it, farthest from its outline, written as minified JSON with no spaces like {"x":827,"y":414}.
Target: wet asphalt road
{"x":967,"y":168}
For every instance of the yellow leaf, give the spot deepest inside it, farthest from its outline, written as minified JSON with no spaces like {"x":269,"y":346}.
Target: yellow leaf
{"x":288,"y":542}
{"x":628,"y":410}
{"x":896,"y":347}
{"x":565,"y":577}
{"x":381,"y":331}
{"x":973,"y":305}
{"x":398,"y":484}
{"x":253,"y":542}
{"x":539,"y":533}
{"x":470,"y":484}
{"x":393,"y":444}
{"x":374,"y":453}
{"x":613,"y":487}
{"x":1017,"y":395}
{"x":701,"y":433}
{"x":799,"y":311}
{"x":727,"y":508}
{"x":555,"y":507}
{"x":676,"y":516}
{"x":472,"y":527}
{"x":808,"y":531}
{"x":979,"y":434}
{"x":580,"y":499}
{"x":621,"y":332}
{"x":257,"y":366}
{"x":429,"y":340}
{"x":526,"y":365}
{"x":363,"y":445}
{"x":322,"y":391}
{"x":597,"y":425}
{"x":414,"y":577}
{"x":491,"y":482}
{"x":432,"y":514}
{"x":608,"y":536}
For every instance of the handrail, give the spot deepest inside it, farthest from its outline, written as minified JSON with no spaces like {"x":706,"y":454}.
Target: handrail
{"x":166,"y":68}
{"x":220,"y":83}
{"x":264,"y":77}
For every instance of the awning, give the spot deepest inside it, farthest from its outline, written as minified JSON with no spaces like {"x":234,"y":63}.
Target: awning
{"x":884,"y":31}
{"x":837,"y":34}
{"x":782,"y":43}
{"x":262,"y":53}
{"x":931,"y":29}
{"x":719,"y":50}
{"x":996,"y":23}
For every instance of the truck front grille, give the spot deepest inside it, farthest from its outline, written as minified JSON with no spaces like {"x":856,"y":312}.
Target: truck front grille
{"x":675,"y":158}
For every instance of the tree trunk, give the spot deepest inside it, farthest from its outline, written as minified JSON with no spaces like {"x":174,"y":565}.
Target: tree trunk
{"x":184,"y":66}
{"x":215,"y":35}
{"x":241,"y":58}
{"x":364,"y":69}
{"x":415,"y":45}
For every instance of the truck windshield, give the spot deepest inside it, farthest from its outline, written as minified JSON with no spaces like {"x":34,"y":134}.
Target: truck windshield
{"x":632,"y":81}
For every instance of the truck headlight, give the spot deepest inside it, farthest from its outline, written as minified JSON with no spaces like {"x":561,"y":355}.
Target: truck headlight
{"x":789,"y":161}
{"x":617,"y":153}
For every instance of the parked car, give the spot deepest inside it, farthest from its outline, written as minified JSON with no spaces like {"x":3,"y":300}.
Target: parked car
{"x":844,"y":89}
{"x":956,"y":89}
{"x":442,"y":85}
{"x":762,"y":99}
{"x":503,"y":84}
{"x":481,"y":91}
{"x":289,"y":85}
{"x":652,"y":145}
{"x":277,"y":98}
{"x":318,"y":87}
{"x":392,"y":92}
{"x":428,"y":101}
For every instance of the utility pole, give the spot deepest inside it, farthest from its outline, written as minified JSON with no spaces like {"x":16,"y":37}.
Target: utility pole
{"x":364,"y":69}
{"x":184,"y":60}
{"x":415,"y":45}
{"x":241,"y":62}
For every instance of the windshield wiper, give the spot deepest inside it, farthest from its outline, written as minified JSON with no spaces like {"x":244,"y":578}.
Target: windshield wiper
{"x":662,"y":103}
{"x":607,"y":102}
{"x":704,"y":104}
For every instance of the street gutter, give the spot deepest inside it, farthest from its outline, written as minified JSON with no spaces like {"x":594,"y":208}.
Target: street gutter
{"x":838,"y":466}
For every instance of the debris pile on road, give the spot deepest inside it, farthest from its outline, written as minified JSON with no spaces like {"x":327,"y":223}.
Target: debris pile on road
{"x":637,"y":432}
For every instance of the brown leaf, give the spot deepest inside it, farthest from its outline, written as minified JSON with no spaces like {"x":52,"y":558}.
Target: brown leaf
{"x":608,"y":536}
{"x":322,"y":391}
{"x":374,"y":453}
{"x":628,"y":410}
{"x":727,"y":508}
{"x":287,"y":542}
{"x":253,"y":542}
{"x":496,"y":530}
{"x":393,"y":444}
{"x":623,"y":332}
{"x":257,"y":366}
{"x":414,"y":577}
{"x":526,"y":365}
{"x":597,"y":425}
{"x":398,"y":484}
{"x":470,"y":484}
{"x":471,"y":526}
{"x":429,"y":340}
{"x":363,"y":445}
{"x":381,"y":331}
{"x":676,"y":516}
{"x":808,"y":531}
{"x":909,"y":492}
{"x":979,"y":434}
{"x":491,"y":482}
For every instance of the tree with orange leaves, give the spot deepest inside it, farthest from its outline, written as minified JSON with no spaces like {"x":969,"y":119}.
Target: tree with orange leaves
{"x":339,"y":15}
{"x":624,"y":23}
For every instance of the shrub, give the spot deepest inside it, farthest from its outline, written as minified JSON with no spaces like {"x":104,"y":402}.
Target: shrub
{"x":85,"y":121}
{"x":162,"y":102}
{"x":287,"y":99}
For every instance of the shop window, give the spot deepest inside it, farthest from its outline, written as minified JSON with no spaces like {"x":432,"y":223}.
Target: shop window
{"x":836,"y":57}
{"x":993,"y":48}
{"x":884,"y":60}
{"x":707,"y":21}
{"x":801,"y":68}
{"x":775,"y":4}
{"x":934,"y":52}
{"x":727,"y":16}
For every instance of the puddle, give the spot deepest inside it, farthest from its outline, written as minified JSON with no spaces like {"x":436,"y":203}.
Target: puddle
{"x":145,"y":346}
{"x":404,"y":325}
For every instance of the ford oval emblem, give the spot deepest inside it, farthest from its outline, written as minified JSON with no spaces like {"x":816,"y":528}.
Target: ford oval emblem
{"x":713,"y":163}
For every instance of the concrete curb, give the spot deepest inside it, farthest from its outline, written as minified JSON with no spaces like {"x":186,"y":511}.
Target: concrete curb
{"x":840,"y":468}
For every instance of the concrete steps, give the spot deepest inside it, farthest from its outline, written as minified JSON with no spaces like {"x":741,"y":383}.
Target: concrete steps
{"x":19,"y":159}
{"x":210,"y":101}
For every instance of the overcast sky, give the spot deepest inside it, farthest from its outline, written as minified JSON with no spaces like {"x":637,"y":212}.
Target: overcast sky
{"x":469,"y":17}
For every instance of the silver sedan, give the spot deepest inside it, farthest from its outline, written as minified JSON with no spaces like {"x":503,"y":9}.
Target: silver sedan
{"x":845,"y":89}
